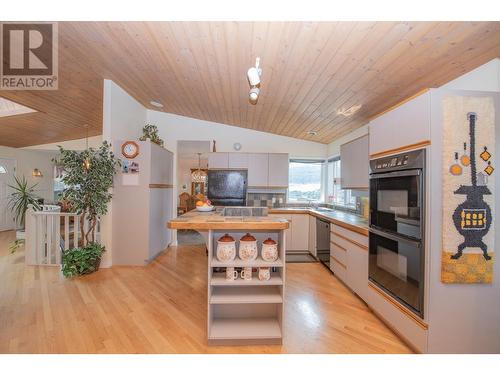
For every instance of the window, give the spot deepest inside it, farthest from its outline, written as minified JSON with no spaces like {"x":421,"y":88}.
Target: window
{"x":336,"y":195}
{"x":305,"y":180}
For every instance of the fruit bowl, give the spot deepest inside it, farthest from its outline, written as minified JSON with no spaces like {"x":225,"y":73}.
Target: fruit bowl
{"x":204,"y":208}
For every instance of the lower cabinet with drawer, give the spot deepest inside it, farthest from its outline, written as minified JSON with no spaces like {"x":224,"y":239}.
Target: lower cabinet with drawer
{"x":349,"y":258}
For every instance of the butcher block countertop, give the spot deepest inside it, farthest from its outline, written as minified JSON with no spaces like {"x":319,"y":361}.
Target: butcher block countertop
{"x":343,"y":219}
{"x":214,"y":220}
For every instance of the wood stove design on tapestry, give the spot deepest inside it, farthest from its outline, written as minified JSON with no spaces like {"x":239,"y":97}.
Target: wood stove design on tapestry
{"x":472,"y":218}
{"x":467,"y":191}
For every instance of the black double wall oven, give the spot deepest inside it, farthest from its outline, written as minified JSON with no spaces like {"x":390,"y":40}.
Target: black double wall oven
{"x":397,"y":233}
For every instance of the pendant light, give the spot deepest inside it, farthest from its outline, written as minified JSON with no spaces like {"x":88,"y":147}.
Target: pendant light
{"x":199,"y":175}
{"x":86,"y":161}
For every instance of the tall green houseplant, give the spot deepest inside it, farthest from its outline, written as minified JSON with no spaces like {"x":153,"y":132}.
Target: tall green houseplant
{"x":22,"y":196}
{"x":88,"y":177}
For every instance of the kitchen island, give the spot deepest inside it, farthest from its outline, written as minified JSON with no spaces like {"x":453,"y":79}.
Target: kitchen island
{"x":240,"y":311}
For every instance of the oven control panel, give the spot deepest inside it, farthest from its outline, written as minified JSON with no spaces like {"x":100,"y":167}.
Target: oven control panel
{"x":407,"y":160}
{"x":396,"y":161}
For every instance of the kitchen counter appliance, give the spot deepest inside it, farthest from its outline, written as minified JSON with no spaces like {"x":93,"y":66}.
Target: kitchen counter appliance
{"x":323,"y":241}
{"x":227,"y":187}
{"x":396,"y":238}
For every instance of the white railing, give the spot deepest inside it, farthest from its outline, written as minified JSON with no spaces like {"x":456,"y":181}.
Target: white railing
{"x":49,"y":232}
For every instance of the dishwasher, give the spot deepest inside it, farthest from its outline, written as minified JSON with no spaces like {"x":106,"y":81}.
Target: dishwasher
{"x":323,"y":241}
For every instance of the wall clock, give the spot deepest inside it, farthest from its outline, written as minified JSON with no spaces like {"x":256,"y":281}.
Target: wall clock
{"x":130,"y":149}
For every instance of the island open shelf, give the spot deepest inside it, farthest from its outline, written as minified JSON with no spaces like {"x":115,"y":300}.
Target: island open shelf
{"x":241,"y":312}
{"x":244,"y":312}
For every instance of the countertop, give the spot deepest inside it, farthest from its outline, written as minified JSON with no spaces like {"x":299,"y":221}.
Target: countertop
{"x":343,"y":219}
{"x":214,"y":220}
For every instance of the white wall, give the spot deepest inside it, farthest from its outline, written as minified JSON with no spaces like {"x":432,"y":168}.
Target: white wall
{"x":75,"y":144}
{"x":123,"y":118}
{"x":173,"y":128}
{"x":27,"y":160}
{"x":484,"y":78}
{"x":334,"y":147}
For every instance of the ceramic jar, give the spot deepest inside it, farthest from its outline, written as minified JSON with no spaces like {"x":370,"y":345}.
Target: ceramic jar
{"x":226,"y":248}
{"x":269,"y":250}
{"x":248,"y":247}
{"x":264,"y":273}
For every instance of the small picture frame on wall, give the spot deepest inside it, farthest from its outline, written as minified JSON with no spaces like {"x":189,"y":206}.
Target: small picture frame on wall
{"x":130,"y":167}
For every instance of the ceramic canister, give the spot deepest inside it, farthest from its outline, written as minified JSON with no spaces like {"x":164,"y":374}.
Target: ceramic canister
{"x":226,"y":248}
{"x":269,"y":250}
{"x":264,"y":273}
{"x":248,"y":247}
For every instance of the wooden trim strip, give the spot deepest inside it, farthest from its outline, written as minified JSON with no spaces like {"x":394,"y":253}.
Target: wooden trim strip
{"x":399,"y":104}
{"x":337,"y":245}
{"x":339,"y":262}
{"x":363,"y":247}
{"x":160,"y":186}
{"x":398,"y":306}
{"x":400,"y":149}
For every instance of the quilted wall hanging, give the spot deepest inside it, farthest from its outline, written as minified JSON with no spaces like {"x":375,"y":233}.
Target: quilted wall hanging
{"x":468,"y":187}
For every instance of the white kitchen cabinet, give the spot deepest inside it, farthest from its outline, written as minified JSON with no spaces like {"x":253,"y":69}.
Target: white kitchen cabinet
{"x":354,"y":164}
{"x":408,"y":124}
{"x":218,"y":160}
{"x":357,"y":263}
{"x":312,"y":235}
{"x":349,"y":250}
{"x":238,"y":160}
{"x":297,"y":235}
{"x":258,"y":170}
{"x":300,"y":233}
{"x":278,"y":170}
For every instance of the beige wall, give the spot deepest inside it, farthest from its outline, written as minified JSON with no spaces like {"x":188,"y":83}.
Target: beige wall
{"x":27,"y":160}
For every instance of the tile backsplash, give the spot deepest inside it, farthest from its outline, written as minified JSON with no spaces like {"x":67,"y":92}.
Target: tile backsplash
{"x":266,"y":199}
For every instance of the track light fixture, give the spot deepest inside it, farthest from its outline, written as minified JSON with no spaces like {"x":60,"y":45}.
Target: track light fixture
{"x":253,"y":76}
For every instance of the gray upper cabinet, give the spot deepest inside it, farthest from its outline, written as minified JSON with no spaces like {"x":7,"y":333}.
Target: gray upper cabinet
{"x":218,"y":160}
{"x":258,"y":170}
{"x":238,"y":160}
{"x":264,"y":170}
{"x":354,"y":164}
{"x":278,"y":170}
{"x":408,"y":124}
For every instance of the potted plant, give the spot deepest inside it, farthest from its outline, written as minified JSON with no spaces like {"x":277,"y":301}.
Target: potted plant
{"x":88,"y":178}
{"x":22,"y":197}
{"x":150,"y":131}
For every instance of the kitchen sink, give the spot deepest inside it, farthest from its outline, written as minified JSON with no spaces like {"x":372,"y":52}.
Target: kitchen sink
{"x":323,"y":209}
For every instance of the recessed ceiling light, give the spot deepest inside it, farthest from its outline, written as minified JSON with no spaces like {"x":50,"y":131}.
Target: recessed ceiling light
{"x":312,"y":133}
{"x":155,"y":103}
{"x":346,"y":112}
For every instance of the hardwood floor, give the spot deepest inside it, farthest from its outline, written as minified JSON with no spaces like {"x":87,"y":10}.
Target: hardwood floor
{"x":161,"y":308}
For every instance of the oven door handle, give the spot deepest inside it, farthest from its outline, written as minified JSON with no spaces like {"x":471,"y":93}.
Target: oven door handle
{"x":395,"y":238}
{"x":411,"y":172}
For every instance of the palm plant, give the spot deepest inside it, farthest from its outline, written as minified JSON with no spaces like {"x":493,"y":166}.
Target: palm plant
{"x":22,"y":197}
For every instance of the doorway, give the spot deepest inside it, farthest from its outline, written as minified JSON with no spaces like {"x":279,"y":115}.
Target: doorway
{"x":7,"y":172}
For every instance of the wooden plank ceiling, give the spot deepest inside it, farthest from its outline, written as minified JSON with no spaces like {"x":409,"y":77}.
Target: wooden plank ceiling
{"x":312,"y":73}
